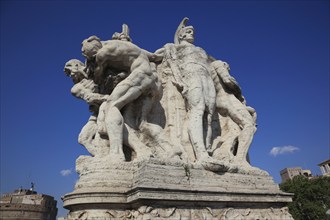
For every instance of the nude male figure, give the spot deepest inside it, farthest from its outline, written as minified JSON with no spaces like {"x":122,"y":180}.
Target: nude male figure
{"x":87,"y":90}
{"x":231,"y":102}
{"x":123,"y":56}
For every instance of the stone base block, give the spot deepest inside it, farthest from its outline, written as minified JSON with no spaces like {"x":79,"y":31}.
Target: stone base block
{"x":153,"y":191}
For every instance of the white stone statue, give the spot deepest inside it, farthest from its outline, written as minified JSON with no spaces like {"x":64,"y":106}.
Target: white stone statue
{"x":131,"y":93}
{"x":168,"y":137}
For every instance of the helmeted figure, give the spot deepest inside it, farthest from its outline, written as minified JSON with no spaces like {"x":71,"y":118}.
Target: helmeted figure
{"x":210,"y":93}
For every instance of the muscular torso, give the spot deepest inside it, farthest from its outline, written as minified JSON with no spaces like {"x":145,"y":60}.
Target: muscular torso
{"x":191,"y":54}
{"x":120,"y":54}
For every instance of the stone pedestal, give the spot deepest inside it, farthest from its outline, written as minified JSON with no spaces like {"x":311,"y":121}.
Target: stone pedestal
{"x":149,"y":190}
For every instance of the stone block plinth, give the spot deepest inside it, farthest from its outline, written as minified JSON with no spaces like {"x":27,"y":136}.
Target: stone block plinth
{"x":152,"y":191}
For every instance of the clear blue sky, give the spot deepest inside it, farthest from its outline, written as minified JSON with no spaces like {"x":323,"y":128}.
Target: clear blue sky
{"x":278,"y":52}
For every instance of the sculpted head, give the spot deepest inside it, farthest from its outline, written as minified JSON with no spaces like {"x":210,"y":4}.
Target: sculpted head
{"x":187,"y":34}
{"x":75,"y":69}
{"x":91,"y":46}
{"x":184,"y":33}
{"x":226,"y":66}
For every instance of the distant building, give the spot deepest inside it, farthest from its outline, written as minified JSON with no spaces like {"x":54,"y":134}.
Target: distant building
{"x":289,"y":173}
{"x":26,"y":204}
{"x":325,"y":167}
{"x":307,"y":173}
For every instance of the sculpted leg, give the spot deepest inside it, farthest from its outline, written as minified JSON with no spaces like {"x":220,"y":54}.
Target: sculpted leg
{"x":114,"y":125}
{"x":87,"y":135}
{"x":210,"y":112}
{"x":196,"y":109}
{"x":132,"y":140}
{"x":125,"y":92}
{"x":195,"y":130}
{"x":244,"y":142}
{"x":131,"y":88}
{"x":244,"y":119}
{"x":210,"y":97}
{"x":101,"y":119}
{"x":209,"y":131}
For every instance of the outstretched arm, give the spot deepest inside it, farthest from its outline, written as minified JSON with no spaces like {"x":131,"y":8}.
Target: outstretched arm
{"x":154,"y":57}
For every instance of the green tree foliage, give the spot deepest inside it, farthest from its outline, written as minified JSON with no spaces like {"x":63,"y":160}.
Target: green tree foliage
{"x":311,"y":197}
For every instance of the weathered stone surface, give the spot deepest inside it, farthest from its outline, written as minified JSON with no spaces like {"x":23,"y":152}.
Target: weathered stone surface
{"x":185,"y":191}
{"x":168,"y":136}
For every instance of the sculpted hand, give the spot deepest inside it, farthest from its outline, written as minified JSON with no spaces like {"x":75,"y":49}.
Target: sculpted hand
{"x":231,"y":83}
{"x":89,"y":84}
{"x":95,"y":98}
{"x":181,"y":87}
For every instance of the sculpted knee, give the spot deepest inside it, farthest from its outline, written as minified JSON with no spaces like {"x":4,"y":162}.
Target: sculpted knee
{"x":113,"y":116}
{"x":197,"y":110}
{"x":81,"y":140}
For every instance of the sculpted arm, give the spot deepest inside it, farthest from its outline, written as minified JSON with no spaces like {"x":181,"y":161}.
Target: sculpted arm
{"x":160,"y":52}
{"x":95,"y":98}
{"x":81,"y":91}
{"x":171,"y":57}
{"x":154,"y":57}
{"x":78,"y":91}
{"x":222,"y":69}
